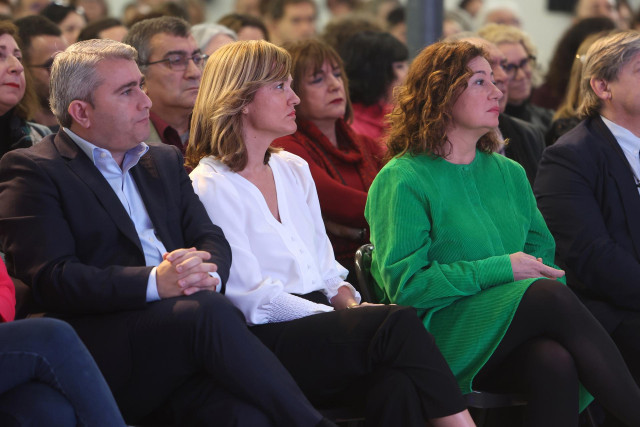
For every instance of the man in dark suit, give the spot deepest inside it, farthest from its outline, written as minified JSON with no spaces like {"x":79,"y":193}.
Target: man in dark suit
{"x":110,"y":236}
{"x":588,"y":191}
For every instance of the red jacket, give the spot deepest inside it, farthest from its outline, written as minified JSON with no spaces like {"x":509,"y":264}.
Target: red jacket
{"x":342,"y":176}
{"x":7,"y":295}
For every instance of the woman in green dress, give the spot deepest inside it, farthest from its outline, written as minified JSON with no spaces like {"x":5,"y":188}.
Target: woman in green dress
{"x":457,"y":235}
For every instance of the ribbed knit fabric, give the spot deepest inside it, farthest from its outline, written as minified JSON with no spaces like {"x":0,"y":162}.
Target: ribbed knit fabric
{"x":443,"y":234}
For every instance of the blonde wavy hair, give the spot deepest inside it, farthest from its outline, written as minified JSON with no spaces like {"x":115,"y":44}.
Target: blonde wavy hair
{"x":232,"y":76}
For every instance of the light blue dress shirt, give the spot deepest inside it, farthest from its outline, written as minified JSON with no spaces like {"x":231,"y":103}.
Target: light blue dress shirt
{"x":630,"y":145}
{"x":126,"y":189}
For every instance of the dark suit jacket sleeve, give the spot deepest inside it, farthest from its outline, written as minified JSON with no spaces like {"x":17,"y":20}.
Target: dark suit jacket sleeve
{"x":42,"y":248}
{"x":568,"y":182}
{"x":62,"y":242}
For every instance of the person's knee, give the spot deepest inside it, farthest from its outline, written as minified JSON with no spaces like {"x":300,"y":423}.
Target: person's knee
{"x":36,"y":404}
{"x":549,"y":361}
{"x":554,"y":297}
{"x":206,"y":305}
{"x":405,"y":321}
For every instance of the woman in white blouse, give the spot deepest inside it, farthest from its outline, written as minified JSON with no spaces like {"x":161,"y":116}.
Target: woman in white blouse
{"x":284,"y":276}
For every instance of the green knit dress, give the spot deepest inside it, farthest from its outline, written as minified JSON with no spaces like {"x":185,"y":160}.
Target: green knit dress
{"x":442,"y":234}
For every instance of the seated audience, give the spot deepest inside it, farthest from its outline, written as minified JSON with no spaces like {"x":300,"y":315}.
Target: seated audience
{"x":597,"y":8}
{"x":171,"y":62}
{"x":15,"y":130}
{"x":248,"y":7}
{"x":375,"y":63}
{"x":210,"y":37}
{"x":47,"y":377}
{"x":520,"y":68}
{"x":6,"y":8}
{"x":457,"y":235}
{"x":502,"y":12}
{"x":106,"y":28}
{"x":68,"y":18}
{"x":339,"y":31}
{"x":397,"y":24}
{"x":247,"y":27}
{"x":338,"y":8}
{"x":587,"y":189}
{"x":567,"y":117}
{"x":465,"y":14}
{"x":343,"y":163}
{"x":24,"y":8}
{"x":551,"y":93}
{"x":40,"y":40}
{"x":110,"y":236}
{"x":284,"y":277}
{"x":289,"y":20}
{"x":94,"y":10}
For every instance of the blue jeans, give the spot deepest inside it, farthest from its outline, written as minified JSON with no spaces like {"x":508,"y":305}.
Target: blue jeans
{"x":47,"y":377}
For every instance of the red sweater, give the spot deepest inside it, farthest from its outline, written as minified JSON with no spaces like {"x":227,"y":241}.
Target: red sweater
{"x":342,"y":176}
{"x":7,"y":295}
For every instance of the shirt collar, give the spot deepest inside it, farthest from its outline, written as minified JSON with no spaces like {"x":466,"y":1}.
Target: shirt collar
{"x":626,"y":139}
{"x":131,"y":157}
{"x":162,"y":127}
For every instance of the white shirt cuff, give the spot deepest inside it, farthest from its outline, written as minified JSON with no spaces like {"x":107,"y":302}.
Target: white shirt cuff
{"x":152,"y":287}
{"x":287,"y":307}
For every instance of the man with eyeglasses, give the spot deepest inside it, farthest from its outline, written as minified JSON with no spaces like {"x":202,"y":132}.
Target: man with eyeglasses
{"x":172,"y":63}
{"x":40,"y":40}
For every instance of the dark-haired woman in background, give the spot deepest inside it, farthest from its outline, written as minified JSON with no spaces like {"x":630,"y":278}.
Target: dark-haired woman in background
{"x":375,"y":63}
{"x":68,"y":18}
{"x":343,"y":164}
{"x":458,"y":236}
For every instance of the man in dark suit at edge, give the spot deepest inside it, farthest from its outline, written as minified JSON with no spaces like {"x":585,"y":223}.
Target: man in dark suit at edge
{"x":588,"y":187}
{"x":110,"y":237}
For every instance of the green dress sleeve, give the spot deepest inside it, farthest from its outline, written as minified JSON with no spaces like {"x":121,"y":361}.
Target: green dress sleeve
{"x":400,"y":222}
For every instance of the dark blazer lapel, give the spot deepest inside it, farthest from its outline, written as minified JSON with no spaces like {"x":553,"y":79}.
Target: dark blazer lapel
{"x":621,"y":173}
{"x":153,"y":192}
{"x":84,"y":168}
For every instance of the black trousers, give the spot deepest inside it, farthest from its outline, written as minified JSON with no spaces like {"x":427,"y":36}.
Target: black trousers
{"x":626,"y":335}
{"x":193,"y":361}
{"x":379,"y":357}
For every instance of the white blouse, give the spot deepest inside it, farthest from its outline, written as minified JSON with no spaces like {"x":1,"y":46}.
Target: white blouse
{"x":272,"y":260}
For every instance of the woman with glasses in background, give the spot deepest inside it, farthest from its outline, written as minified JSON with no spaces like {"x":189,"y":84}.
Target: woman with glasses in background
{"x":520,"y":68}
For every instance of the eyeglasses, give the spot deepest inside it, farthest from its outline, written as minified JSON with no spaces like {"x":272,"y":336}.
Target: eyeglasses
{"x":180,"y":61}
{"x":47,"y":65}
{"x":512,"y":69}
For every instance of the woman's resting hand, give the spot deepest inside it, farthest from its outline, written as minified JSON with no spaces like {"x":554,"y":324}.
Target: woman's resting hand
{"x":526,"y":266}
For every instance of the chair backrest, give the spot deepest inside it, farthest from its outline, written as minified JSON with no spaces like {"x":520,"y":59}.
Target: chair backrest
{"x":366,"y":283}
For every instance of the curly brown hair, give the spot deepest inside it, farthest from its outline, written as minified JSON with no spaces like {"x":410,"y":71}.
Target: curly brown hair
{"x":422,"y":114}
